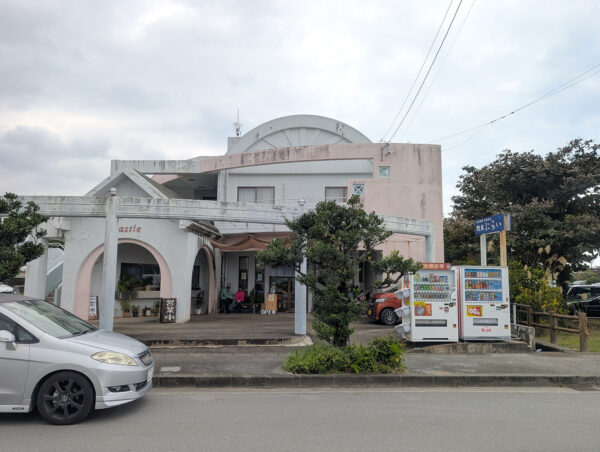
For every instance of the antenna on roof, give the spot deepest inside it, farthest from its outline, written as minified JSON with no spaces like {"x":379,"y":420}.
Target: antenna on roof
{"x":237,"y":125}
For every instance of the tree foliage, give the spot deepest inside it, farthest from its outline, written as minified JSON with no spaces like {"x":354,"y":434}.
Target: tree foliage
{"x":554,"y":200}
{"x":17,"y":222}
{"x":330,"y":238}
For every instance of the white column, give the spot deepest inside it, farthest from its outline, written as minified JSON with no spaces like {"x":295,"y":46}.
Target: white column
{"x":37,"y":271}
{"x":483,"y":248}
{"x":430,"y":248}
{"x":300,"y":302}
{"x":109,"y":263}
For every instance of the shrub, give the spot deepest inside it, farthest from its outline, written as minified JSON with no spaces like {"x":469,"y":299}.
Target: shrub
{"x":382,"y":355}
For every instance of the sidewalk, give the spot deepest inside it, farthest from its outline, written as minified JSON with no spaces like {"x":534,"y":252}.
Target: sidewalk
{"x":245,"y":350}
{"x":261,"y":367}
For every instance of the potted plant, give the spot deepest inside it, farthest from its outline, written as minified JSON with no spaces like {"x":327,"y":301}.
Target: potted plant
{"x":126,"y":307}
{"x":156,"y":308}
{"x":135,"y":310}
{"x":147,"y":311}
{"x":147,"y":283}
{"x":125,"y":285}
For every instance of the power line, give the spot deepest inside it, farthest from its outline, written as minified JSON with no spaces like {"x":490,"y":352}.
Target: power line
{"x":418,"y":73}
{"x":574,"y":81}
{"x":428,"y":71}
{"x":441,"y":66}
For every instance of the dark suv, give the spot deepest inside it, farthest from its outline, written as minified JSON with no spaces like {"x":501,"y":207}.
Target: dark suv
{"x":584,"y":298}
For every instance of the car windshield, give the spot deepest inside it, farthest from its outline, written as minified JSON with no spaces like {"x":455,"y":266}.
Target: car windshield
{"x":49,"y":318}
{"x":583,"y":293}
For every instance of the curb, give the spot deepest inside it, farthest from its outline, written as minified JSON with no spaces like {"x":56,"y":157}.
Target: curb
{"x":190,"y":343}
{"x":368,"y":381}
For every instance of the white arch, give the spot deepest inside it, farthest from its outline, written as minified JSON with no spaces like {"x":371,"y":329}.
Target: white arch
{"x":297,"y":130}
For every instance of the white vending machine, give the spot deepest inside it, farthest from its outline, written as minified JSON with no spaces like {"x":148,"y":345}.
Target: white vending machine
{"x":484,"y":303}
{"x":430,"y":310}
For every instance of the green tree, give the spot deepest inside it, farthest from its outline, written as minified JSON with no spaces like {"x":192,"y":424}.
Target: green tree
{"x":554,"y":200}
{"x":330,"y":238}
{"x":17,"y":222}
{"x":459,"y":246}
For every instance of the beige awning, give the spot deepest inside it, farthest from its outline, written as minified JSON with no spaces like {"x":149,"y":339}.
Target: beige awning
{"x":247,"y":242}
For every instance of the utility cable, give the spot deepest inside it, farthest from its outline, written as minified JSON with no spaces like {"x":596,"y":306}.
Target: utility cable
{"x":574,"y":81}
{"x":427,"y":74}
{"x":441,"y":66}
{"x":418,"y":73}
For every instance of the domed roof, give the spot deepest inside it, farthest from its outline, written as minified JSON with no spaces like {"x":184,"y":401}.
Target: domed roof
{"x":297,"y":130}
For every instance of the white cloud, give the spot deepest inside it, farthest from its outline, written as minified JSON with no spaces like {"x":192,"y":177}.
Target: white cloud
{"x":83,"y":82}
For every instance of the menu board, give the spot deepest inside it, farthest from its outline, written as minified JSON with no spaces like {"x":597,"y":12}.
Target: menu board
{"x":483,"y":285}
{"x":168,"y":308}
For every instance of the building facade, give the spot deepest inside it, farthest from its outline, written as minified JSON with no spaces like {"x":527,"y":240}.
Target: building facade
{"x":285,"y":165}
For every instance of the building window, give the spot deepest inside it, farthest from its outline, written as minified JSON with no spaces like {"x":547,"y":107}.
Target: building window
{"x":150,"y":273}
{"x":259,"y":195}
{"x":384,"y":171}
{"x":358,"y":189}
{"x":339,"y":194}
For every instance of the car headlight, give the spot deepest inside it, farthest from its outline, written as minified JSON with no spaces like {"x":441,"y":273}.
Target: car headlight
{"x":114,"y":358}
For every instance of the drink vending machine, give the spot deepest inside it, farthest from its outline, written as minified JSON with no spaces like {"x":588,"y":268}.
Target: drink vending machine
{"x":430,"y":311}
{"x":484,"y":303}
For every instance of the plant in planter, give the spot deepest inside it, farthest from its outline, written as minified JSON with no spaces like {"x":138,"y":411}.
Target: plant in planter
{"x":156,"y":308}
{"x":147,"y":283}
{"x":135,"y":310}
{"x":147,"y":311}
{"x":126,"y":308}
{"x":125,"y":285}
{"x":253,"y":300}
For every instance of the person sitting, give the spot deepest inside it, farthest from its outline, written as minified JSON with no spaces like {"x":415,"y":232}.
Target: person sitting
{"x":239,"y":299}
{"x":227,"y":297}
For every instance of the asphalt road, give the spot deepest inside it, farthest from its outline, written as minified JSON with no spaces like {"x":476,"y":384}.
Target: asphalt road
{"x":471,"y":419}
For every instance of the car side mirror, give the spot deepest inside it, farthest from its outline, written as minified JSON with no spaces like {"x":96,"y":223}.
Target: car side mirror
{"x":7,"y":336}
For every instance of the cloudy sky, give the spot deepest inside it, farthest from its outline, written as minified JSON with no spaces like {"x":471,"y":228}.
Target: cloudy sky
{"x":84,"y":82}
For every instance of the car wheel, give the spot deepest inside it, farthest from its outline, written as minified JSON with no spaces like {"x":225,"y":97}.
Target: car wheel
{"x":388,"y":317}
{"x":65,"y":398}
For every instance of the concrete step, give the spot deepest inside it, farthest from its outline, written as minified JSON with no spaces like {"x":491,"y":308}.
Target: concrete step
{"x":513,"y":346}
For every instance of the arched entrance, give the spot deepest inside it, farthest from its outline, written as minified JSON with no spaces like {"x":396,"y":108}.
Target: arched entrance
{"x":91,"y":271}
{"x":203,"y":283}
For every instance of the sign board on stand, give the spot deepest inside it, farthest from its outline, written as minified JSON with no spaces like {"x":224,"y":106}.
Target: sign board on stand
{"x":499,"y":223}
{"x":93,"y":315}
{"x":271,"y":304}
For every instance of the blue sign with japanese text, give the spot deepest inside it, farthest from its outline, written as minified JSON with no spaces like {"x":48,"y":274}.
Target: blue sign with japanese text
{"x":489,"y":225}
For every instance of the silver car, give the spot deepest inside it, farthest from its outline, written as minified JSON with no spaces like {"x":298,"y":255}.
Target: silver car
{"x":54,"y":361}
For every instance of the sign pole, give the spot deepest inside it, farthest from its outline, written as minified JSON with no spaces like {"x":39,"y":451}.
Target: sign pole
{"x":483,"y":249}
{"x":503,"y":261}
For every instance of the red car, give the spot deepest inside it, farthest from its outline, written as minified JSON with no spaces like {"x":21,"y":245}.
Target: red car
{"x":382,"y":308}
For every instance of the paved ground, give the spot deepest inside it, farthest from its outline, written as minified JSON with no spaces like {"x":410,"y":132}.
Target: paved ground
{"x":532,"y":419}
{"x":266,"y":360}
{"x":234,"y":327}
{"x":197,"y":365}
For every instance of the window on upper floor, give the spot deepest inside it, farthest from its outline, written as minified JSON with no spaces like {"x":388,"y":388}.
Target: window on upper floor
{"x":339,"y":194}
{"x":259,"y":195}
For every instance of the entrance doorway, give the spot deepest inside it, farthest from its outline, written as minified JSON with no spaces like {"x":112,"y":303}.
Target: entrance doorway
{"x":284,"y":287}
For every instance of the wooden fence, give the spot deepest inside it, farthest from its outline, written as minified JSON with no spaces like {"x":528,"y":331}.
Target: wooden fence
{"x":552,"y":325}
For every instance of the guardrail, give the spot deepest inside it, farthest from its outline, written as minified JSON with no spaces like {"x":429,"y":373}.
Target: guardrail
{"x":552,"y":325}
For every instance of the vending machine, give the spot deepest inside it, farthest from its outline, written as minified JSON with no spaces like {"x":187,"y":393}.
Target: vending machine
{"x":430,"y":310}
{"x":484,"y":303}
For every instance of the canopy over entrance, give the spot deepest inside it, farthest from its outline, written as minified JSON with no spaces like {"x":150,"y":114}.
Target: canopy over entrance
{"x":248,"y":242}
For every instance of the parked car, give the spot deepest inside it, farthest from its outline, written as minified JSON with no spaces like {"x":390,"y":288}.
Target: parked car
{"x":6,"y":289}
{"x":63,"y":366}
{"x":584,"y":298}
{"x":382,"y":306}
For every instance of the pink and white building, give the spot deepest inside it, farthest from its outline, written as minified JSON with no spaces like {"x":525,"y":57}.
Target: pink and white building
{"x":189,"y":227}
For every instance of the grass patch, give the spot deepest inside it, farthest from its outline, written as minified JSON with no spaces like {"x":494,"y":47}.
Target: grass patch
{"x":381,"y":355}
{"x":571,"y":340}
